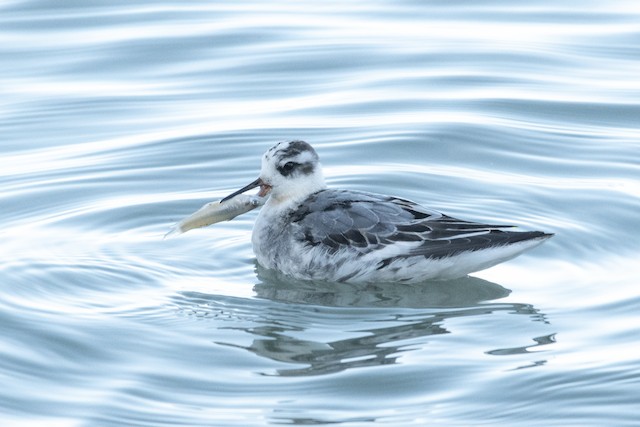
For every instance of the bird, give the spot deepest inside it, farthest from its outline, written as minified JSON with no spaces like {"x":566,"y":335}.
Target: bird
{"x":308,"y":231}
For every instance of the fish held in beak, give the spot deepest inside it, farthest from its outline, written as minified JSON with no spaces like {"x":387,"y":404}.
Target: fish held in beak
{"x":214,"y":212}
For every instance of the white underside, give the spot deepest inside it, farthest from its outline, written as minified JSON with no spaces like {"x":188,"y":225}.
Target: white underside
{"x":314,"y":265}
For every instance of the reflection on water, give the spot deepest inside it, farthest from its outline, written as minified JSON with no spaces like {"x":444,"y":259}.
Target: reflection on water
{"x":296,"y":322}
{"x":461,"y":292}
{"x":540,"y":341}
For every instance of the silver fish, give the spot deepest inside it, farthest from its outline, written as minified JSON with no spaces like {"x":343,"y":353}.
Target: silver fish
{"x":214,"y":212}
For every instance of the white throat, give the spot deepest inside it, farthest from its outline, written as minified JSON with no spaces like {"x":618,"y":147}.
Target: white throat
{"x":291,"y":193}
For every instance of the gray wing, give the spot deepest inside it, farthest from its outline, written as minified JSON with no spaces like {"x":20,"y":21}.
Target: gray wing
{"x":367,"y":222}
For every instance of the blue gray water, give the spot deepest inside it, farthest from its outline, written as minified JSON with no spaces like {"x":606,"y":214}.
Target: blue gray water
{"x":119,"y":118}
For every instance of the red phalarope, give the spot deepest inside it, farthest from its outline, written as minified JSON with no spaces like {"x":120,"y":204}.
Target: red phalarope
{"x":308,"y":231}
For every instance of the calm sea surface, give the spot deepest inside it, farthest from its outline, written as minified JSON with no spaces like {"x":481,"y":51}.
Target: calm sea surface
{"x":118,"y":118}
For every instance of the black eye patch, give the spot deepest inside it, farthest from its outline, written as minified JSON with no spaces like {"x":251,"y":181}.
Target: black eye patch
{"x":291,"y":167}
{"x":287,"y":168}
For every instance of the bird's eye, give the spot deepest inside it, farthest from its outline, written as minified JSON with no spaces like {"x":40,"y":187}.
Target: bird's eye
{"x":288,"y":167}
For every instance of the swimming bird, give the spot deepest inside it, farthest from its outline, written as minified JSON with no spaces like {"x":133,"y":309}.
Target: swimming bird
{"x":308,"y":231}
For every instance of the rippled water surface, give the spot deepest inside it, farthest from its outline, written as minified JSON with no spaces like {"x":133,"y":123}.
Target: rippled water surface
{"x":119,"y":118}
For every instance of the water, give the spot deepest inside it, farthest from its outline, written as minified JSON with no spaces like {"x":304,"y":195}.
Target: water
{"x":119,"y":118}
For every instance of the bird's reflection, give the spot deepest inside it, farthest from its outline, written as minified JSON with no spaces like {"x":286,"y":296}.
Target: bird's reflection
{"x":394,"y":315}
{"x":463,"y":292}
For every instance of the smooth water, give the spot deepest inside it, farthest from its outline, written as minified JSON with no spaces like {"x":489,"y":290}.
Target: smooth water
{"x":119,"y":118}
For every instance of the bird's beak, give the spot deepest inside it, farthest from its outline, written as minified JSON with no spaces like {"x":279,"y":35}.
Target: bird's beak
{"x":264,"y":189}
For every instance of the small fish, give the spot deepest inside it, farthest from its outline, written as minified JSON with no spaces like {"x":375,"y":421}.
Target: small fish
{"x":214,"y":212}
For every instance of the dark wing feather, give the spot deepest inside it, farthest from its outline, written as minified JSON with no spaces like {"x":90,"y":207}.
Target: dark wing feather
{"x":367,"y":222}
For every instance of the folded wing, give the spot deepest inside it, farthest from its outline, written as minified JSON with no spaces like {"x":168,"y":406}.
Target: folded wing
{"x":365,"y":223}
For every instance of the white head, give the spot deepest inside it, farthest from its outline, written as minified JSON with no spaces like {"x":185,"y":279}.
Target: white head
{"x":290,"y":172}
